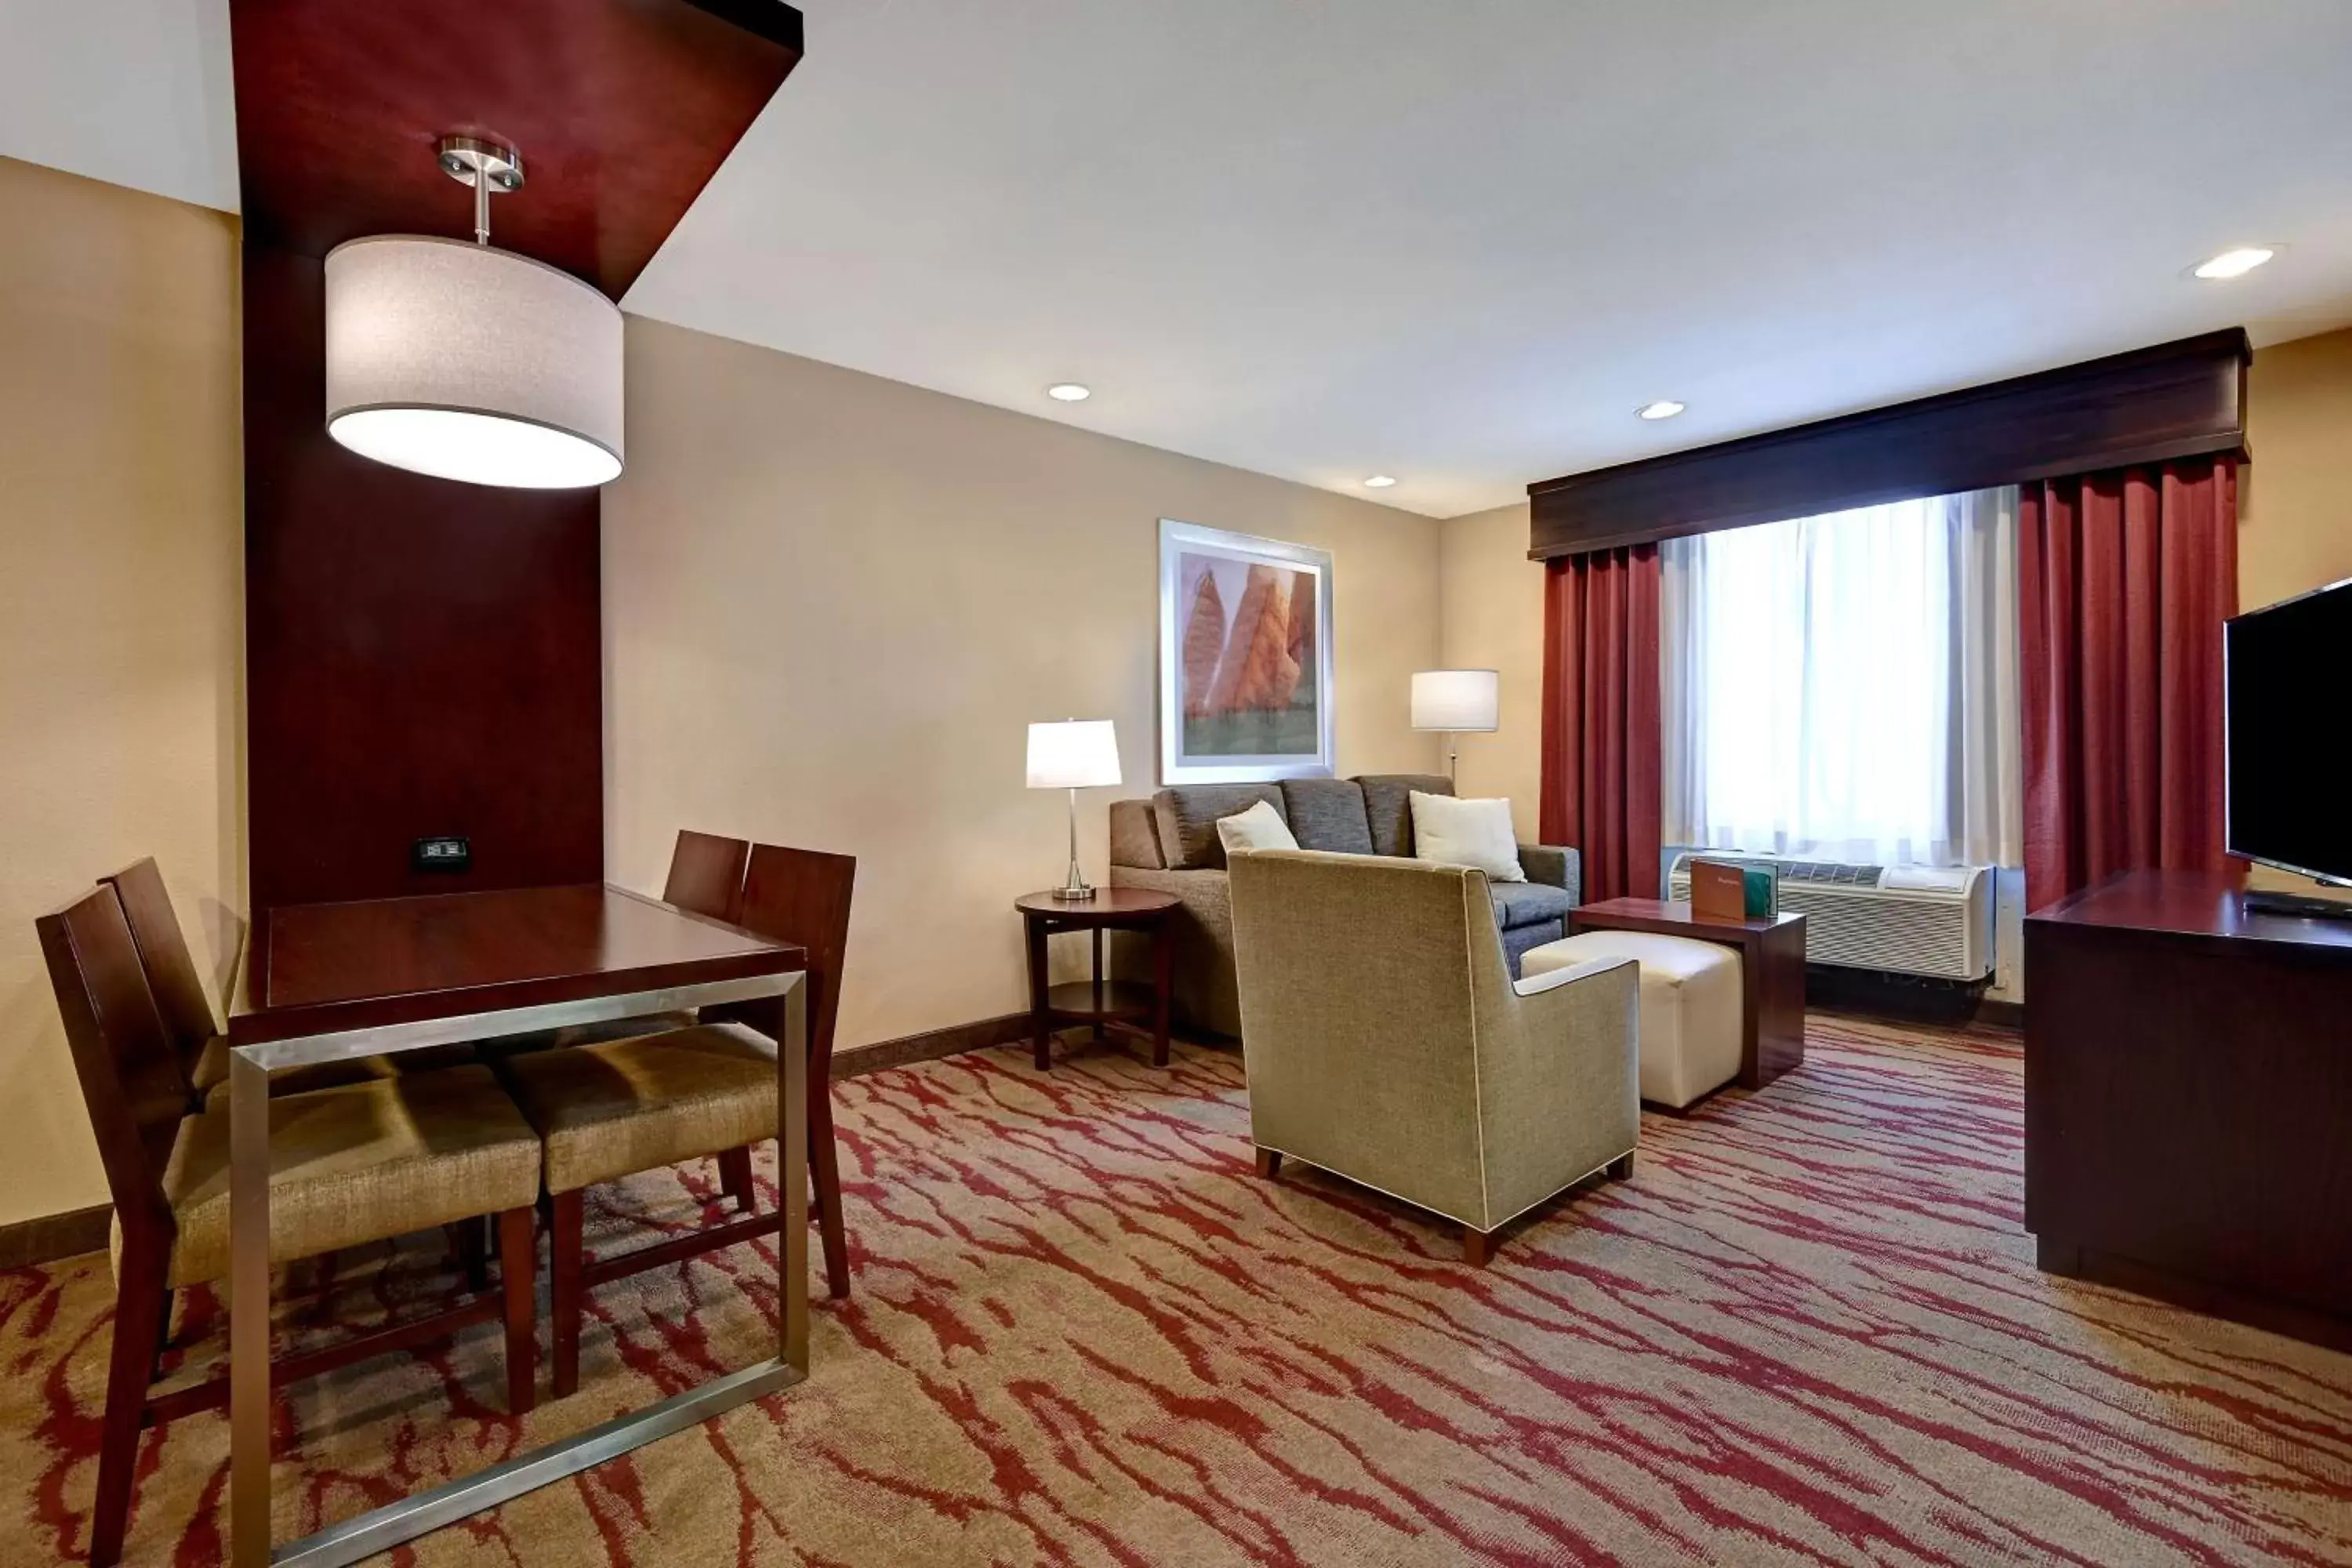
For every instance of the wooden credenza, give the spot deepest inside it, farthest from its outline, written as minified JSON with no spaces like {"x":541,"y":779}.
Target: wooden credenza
{"x":2188,"y":1101}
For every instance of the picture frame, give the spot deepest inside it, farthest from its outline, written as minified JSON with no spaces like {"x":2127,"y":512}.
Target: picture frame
{"x":1247,"y":668}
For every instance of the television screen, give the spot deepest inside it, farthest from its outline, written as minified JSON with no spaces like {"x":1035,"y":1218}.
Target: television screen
{"x":2290,"y":697}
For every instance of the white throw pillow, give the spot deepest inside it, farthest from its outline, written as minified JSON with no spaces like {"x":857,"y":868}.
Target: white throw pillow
{"x":1478,"y":833}
{"x":1259,"y":828}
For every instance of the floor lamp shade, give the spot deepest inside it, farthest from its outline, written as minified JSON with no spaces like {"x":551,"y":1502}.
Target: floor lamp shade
{"x":473,"y":363}
{"x":1459,"y":700}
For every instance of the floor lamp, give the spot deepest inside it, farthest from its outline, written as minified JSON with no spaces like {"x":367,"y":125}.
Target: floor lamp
{"x":1458,"y":702}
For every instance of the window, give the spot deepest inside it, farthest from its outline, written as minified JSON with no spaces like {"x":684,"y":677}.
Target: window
{"x":1845,"y":686}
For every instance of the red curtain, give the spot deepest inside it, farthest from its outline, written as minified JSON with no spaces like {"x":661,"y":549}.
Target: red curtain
{"x":2124,"y":580}
{"x":1600,"y":733}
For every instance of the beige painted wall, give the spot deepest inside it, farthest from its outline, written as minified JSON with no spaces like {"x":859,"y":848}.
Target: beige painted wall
{"x":1492,"y":618}
{"x":120,"y":531}
{"x":2294,"y":533}
{"x":2294,"y":509}
{"x":2294,"y":528}
{"x":834,"y":603}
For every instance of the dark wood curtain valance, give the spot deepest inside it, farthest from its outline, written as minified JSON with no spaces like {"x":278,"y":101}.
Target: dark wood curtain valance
{"x":2177,"y":400}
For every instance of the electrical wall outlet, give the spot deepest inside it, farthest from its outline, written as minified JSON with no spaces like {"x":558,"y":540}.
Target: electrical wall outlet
{"x":445,"y":852}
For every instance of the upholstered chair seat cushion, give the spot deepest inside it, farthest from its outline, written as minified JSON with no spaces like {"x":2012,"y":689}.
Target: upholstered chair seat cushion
{"x":210,"y":1074}
{"x":1518,"y":904}
{"x":1690,"y":1007}
{"x":211,"y":1071}
{"x":494,"y":1051}
{"x":613,"y":1109}
{"x":355,"y":1164}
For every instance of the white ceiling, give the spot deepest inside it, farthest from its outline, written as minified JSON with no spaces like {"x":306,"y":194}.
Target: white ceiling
{"x":134,"y":92}
{"x":1456,"y":242}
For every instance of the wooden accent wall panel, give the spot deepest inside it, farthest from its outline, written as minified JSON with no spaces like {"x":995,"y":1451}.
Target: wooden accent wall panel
{"x":2175,"y":400}
{"x":424,"y":656}
{"x":421,"y":657}
{"x":623,"y":111}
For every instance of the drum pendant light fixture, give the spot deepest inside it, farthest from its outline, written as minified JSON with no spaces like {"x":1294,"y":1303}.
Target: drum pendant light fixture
{"x":469,"y":362}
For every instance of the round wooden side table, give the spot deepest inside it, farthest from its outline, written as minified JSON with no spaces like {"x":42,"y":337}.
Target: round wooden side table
{"x":1099,"y":1003}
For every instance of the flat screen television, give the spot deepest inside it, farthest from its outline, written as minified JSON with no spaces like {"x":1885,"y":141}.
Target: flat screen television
{"x":2289,"y":683}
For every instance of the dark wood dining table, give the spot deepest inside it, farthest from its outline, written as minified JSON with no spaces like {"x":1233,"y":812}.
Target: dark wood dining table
{"x":323,"y":983}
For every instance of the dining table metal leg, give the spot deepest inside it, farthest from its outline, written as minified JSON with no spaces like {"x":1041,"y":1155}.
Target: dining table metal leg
{"x":792,"y":1177}
{"x":381,"y":1529}
{"x":249,"y":1309}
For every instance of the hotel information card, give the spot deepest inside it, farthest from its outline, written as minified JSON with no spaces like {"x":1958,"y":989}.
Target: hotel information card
{"x":1721,"y":892}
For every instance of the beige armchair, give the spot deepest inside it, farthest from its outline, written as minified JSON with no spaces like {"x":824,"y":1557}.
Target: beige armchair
{"x":1386,"y":1042}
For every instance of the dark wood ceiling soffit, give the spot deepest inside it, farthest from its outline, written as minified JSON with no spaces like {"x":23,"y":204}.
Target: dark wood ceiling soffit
{"x":2177,"y":400}
{"x":623,"y":110}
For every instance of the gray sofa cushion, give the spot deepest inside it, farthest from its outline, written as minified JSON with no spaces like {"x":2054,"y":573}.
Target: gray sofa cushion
{"x":1387,"y":806}
{"x":1520,"y":941}
{"x":1135,"y":835}
{"x":1520,"y":904}
{"x":1551,"y":863}
{"x":1188,"y":820}
{"x":1327,"y":814}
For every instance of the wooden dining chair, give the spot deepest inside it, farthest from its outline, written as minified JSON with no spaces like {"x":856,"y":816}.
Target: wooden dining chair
{"x":801,"y":896}
{"x":615,"y":1108}
{"x":187,"y":1012}
{"x":349,"y":1165}
{"x":203,"y":1049}
{"x":706,"y":875}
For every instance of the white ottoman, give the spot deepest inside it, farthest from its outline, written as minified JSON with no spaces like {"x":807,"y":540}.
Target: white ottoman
{"x":1690,"y":1006}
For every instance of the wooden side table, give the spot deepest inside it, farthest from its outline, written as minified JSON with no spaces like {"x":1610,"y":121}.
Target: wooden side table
{"x":1098,"y":1003}
{"x":1771,"y":974}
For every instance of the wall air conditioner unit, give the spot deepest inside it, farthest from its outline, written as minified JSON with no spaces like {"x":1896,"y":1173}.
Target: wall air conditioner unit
{"x":1906,"y":920}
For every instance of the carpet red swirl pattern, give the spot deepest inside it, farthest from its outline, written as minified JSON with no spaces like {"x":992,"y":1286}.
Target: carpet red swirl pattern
{"x":1808,"y":1330}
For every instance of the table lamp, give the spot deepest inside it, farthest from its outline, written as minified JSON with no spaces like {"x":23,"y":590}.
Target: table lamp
{"x":1457,"y":702}
{"x":1079,"y":754}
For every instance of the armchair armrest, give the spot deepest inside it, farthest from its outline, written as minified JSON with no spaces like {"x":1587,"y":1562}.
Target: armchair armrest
{"x":1552,"y":980}
{"x":1559,"y":1079}
{"x":1556,"y":865}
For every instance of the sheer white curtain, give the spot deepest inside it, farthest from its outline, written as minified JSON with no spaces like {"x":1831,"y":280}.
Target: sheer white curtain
{"x":1845,"y":686}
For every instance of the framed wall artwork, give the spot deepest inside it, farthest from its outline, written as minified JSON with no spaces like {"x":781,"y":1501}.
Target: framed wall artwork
{"x":1245,"y":648}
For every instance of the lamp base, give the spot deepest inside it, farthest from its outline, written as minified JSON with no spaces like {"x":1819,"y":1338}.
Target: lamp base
{"x":1074,"y":889}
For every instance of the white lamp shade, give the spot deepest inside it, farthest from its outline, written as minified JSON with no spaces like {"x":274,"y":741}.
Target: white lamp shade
{"x":1457,"y":700}
{"x":1079,"y":754}
{"x":472,"y":363}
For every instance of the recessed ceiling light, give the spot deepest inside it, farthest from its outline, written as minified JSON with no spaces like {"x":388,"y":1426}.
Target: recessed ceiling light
{"x":1664,"y":409}
{"x":1070,"y":391}
{"x":2235,"y":263}
{"x":1379,"y":482}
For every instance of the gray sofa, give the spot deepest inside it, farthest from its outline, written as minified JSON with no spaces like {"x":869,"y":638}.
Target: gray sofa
{"x":1169,"y":843}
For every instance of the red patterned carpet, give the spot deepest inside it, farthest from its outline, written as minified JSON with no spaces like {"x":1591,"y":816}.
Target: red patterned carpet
{"x":1808,"y":1330}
